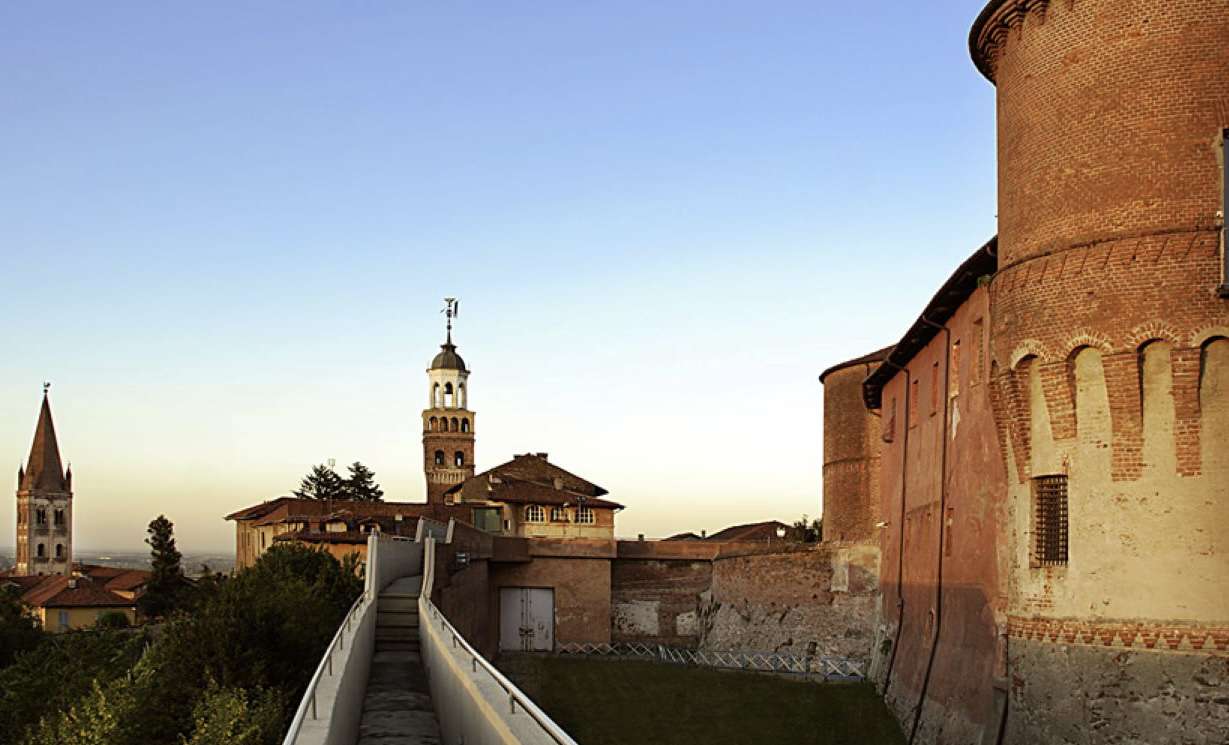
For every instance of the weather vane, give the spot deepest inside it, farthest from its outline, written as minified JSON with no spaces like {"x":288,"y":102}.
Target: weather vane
{"x":452,"y":308}
{"x":46,"y":386}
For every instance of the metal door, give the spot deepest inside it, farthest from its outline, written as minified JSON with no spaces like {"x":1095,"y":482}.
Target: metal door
{"x":526,"y":619}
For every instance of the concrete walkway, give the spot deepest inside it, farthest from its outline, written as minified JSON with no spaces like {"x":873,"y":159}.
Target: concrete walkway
{"x":397,"y":707}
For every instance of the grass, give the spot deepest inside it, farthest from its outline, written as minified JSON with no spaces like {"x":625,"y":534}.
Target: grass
{"x":623,"y":702}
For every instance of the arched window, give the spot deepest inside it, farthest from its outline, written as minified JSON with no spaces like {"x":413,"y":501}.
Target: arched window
{"x":59,"y":550}
{"x":584,"y":516}
{"x":461,"y":402}
{"x":465,"y":424}
{"x":439,"y":457}
{"x":432,"y":423}
{"x":435,"y":396}
{"x":458,"y":459}
{"x":456,"y":425}
{"x":448,"y":396}
{"x":58,"y":517}
{"x":41,"y":551}
{"x":558,"y":515}
{"x":534,"y":514}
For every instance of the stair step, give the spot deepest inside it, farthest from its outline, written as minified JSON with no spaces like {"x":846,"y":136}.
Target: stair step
{"x":407,"y":633}
{"x":398,"y":603}
{"x":408,"y":619}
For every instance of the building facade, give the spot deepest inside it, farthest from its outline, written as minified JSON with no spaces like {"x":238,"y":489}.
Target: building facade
{"x":44,"y":504}
{"x":1053,"y":469}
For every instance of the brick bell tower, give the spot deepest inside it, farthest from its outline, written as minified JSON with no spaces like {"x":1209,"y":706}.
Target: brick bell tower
{"x":447,"y":422}
{"x":44,"y":504}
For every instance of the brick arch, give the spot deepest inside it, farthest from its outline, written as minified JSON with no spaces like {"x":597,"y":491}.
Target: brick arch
{"x":1203,"y":337}
{"x":1088,"y":339}
{"x":1028,"y":348}
{"x":1152,"y":331}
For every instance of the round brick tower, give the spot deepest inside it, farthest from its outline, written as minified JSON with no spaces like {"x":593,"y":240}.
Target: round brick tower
{"x":1110,"y":344}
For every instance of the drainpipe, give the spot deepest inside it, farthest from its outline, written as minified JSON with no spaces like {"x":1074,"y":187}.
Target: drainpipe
{"x":900,"y":554}
{"x":934,"y":645}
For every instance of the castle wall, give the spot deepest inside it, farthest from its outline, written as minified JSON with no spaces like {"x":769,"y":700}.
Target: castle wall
{"x":851,"y":457}
{"x":582,"y":593}
{"x":942,"y":617}
{"x":658,"y":601}
{"x":817,"y":601}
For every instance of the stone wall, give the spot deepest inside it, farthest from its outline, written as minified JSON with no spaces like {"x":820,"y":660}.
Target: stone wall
{"x":658,"y":601}
{"x":817,"y":601}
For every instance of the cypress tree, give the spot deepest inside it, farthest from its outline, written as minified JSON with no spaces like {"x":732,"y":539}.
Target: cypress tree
{"x":165,"y":587}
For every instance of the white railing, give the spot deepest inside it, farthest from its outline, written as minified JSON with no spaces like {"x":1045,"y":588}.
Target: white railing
{"x":474,"y":702}
{"x":331,"y":706}
{"x":814,"y":667}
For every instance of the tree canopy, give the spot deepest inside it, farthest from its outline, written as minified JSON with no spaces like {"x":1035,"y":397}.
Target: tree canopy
{"x":167,"y":586}
{"x":322,"y":482}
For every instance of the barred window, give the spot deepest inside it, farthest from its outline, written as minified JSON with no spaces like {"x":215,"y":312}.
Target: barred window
{"x":535,"y":514}
{"x":558,"y":515}
{"x":585,"y":516}
{"x":1050,"y":521}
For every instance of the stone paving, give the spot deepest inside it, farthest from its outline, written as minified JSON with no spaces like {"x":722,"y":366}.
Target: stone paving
{"x":397,"y":707}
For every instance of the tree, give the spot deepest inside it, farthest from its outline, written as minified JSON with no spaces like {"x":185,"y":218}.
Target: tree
{"x":807,"y":530}
{"x":166,"y":587}
{"x":19,"y":631}
{"x":361,"y":485}
{"x":321,"y":483}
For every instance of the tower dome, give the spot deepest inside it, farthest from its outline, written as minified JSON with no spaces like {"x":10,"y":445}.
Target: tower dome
{"x":448,"y":359}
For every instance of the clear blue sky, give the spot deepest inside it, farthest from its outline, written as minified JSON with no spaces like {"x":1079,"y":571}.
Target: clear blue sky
{"x":227,"y":227}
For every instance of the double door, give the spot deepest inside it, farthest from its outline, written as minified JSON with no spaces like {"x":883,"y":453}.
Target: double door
{"x":526,"y":619}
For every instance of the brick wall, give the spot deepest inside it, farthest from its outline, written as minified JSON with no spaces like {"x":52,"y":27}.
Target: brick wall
{"x":851,"y":457}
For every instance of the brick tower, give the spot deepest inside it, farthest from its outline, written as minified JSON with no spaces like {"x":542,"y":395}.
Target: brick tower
{"x":44,"y":504}
{"x":447,"y":422}
{"x":1110,"y":359}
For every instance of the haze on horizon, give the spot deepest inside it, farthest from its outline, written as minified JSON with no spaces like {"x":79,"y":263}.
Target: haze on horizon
{"x":227,"y":230}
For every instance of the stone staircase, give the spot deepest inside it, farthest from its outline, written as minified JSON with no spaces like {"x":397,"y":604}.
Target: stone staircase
{"x":397,"y":707}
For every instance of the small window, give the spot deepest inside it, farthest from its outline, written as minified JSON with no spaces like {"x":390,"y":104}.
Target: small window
{"x":534,"y":514}
{"x":41,"y":551}
{"x":914,"y":392}
{"x":439,"y":457}
{"x":458,"y":459}
{"x":584,"y":516}
{"x":934,"y":389}
{"x":465,"y":425}
{"x":977,"y":371}
{"x":558,"y":515}
{"x":448,"y":396}
{"x":432,"y":423}
{"x":953,"y":371}
{"x":40,"y":516}
{"x":58,"y":517}
{"x":63,"y":619}
{"x":59,"y":550}
{"x":889,"y":422}
{"x":1050,"y":520}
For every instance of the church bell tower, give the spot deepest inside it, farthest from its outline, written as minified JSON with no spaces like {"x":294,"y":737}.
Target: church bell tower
{"x":447,"y":422}
{"x":44,"y":504}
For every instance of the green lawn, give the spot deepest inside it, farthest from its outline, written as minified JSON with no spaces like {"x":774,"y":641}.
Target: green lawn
{"x":617,"y":702}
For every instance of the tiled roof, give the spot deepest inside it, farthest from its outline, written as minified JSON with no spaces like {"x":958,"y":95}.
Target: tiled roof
{"x":55,"y":592}
{"x":535,"y":468}
{"x":524,"y":492}
{"x":129,"y":580}
{"x":879,"y":355}
{"x":749,"y":532}
{"x":688,"y":536}
{"x":297,"y":509}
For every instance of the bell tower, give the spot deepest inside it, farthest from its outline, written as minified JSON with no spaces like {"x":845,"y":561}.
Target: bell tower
{"x":447,"y":422}
{"x":44,"y":504}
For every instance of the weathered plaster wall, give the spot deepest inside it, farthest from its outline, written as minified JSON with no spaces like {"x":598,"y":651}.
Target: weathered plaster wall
{"x":818,"y":601}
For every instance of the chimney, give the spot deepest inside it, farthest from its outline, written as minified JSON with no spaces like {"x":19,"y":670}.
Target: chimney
{"x":704,"y":534}
{"x":72,"y":583}
{"x":541,"y":455}
{"x":640,"y":537}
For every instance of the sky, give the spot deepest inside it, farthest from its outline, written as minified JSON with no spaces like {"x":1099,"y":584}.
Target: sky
{"x":226,"y":230}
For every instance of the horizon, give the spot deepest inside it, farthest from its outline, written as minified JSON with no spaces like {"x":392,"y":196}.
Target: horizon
{"x":658,"y":223}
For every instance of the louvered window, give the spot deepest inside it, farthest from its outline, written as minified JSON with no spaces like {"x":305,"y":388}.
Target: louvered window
{"x":1050,"y":521}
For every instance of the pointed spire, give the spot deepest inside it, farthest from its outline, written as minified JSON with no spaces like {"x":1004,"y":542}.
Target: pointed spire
{"x":44,"y":470}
